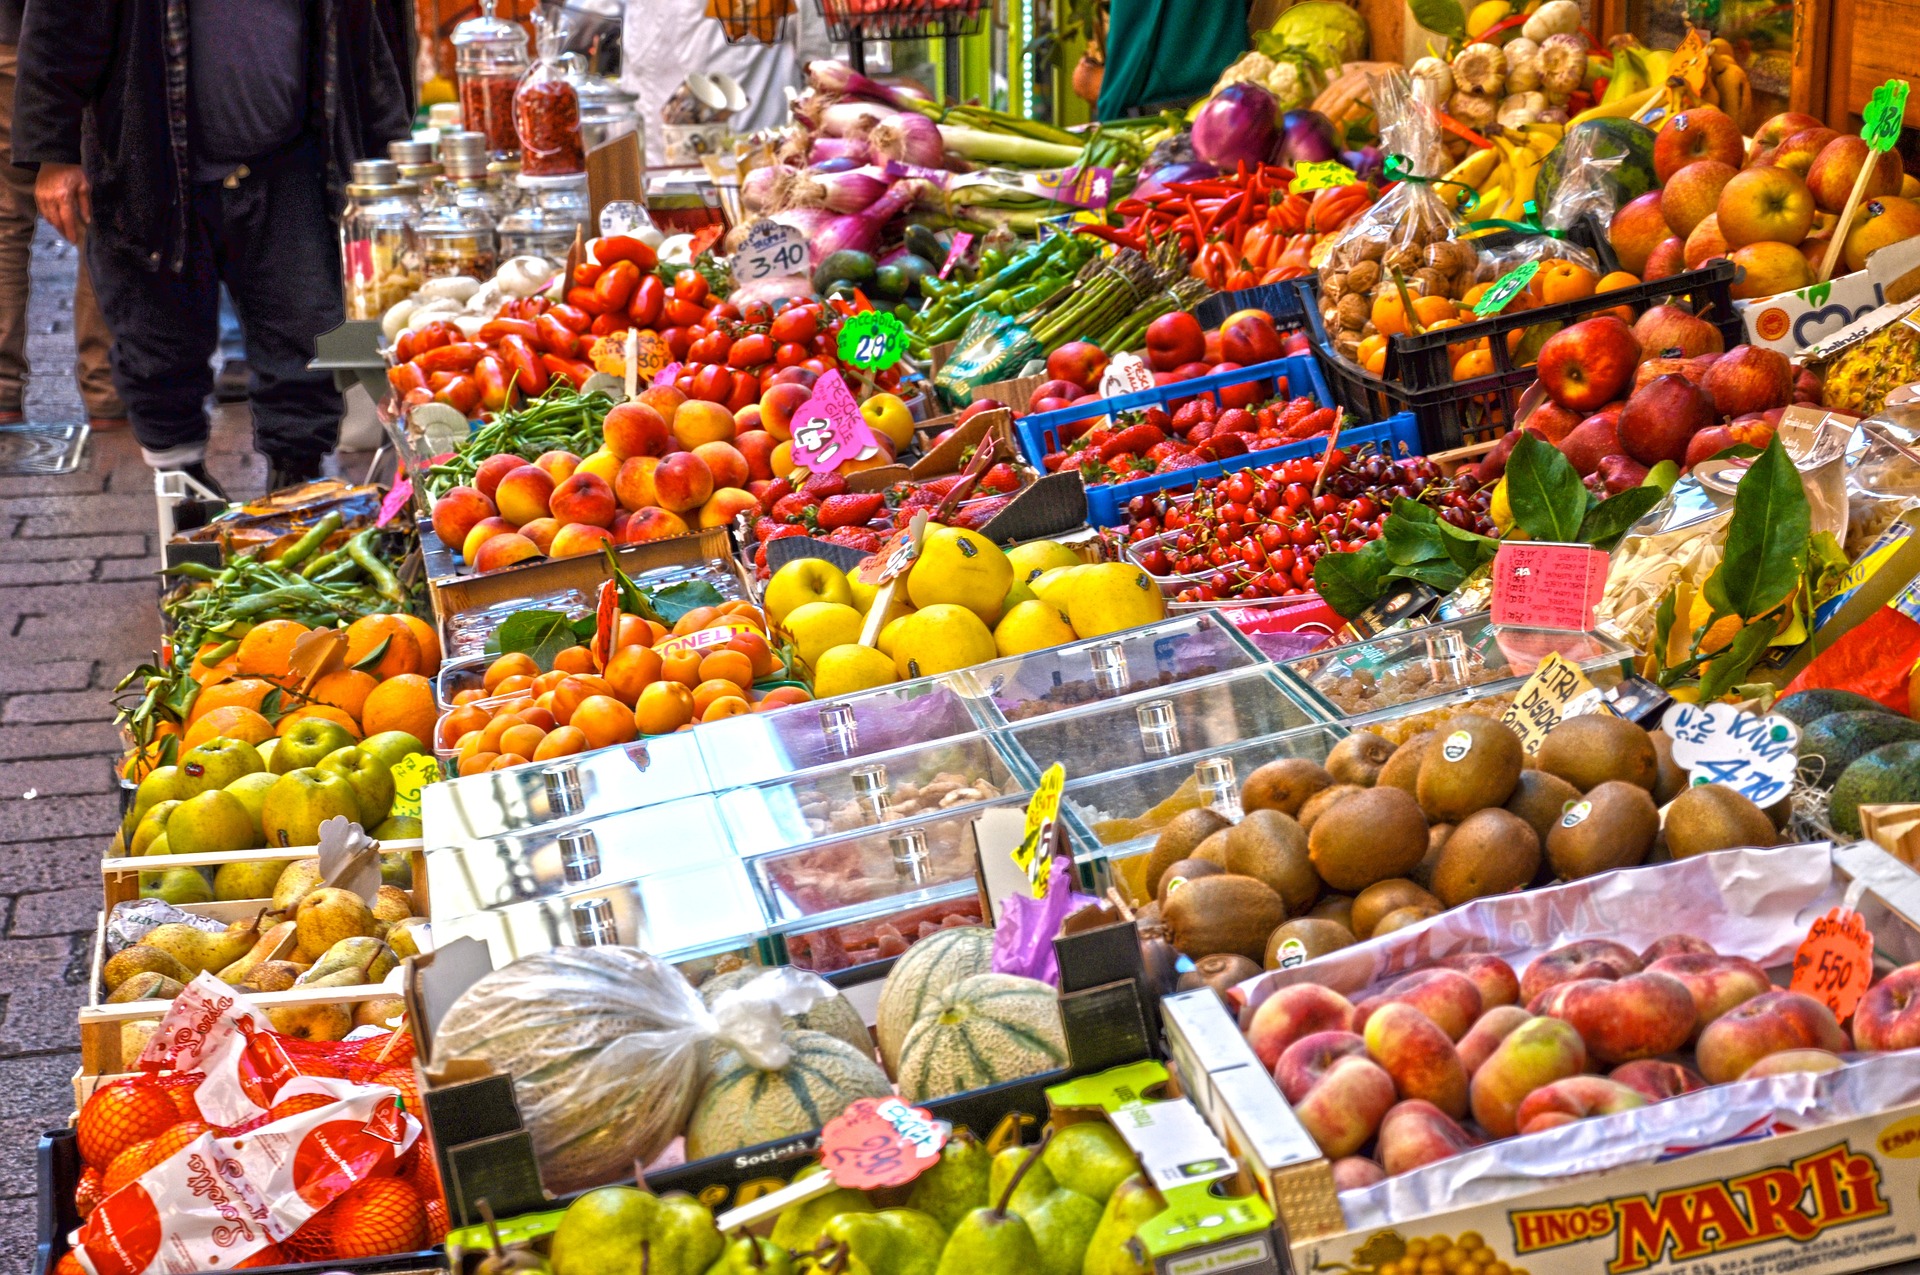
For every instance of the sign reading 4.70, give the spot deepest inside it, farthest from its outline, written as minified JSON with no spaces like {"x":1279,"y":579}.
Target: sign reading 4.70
{"x":1719,"y":744}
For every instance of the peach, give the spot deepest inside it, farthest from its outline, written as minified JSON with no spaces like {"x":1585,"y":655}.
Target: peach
{"x":1343,"y":1111}
{"x":1716,"y":983}
{"x":577,"y":539}
{"x":726,"y":504}
{"x":503,"y":551}
{"x":634,"y":483}
{"x":603,"y":464}
{"x":523,"y":495}
{"x":559,"y":464}
{"x":782,"y":459}
{"x":541,"y":531}
{"x":1497,"y":982}
{"x":584,"y":498}
{"x":1575,"y":1098}
{"x":653,"y":523}
{"x":635,"y":429}
{"x":1447,"y":997}
{"x":1768,"y":1024}
{"x":1485,"y":1035}
{"x":728,"y":466}
{"x":1416,"y":1133}
{"x":1656,"y":1080}
{"x":777,"y":407}
{"x":697,"y":421}
{"x":1888,"y":1016}
{"x":747,"y":419}
{"x":1675,"y":945}
{"x":1587,"y":958}
{"x":458,"y":512}
{"x":664,"y":399}
{"x":1297,"y":1010}
{"x":756,"y":447}
{"x":488,"y":473}
{"x":1356,"y":1172}
{"x":1419,"y":1056}
{"x":1310,"y":1058}
{"x":1620,"y":1020}
{"x":1532,"y":1056}
{"x":1793,"y":1060}
{"x":480,"y":533}
{"x":683,"y":482}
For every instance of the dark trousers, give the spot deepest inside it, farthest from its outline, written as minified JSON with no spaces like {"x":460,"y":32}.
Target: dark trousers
{"x":268,"y":238}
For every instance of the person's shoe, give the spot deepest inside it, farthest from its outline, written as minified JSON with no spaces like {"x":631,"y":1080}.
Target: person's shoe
{"x":106,"y":424}
{"x":198,"y":472}
{"x":231,"y":385}
{"x":291,"y":471}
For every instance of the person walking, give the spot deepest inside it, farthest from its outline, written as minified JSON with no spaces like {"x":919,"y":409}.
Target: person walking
{"x":18,"y":219}
{"x":208,"y":142}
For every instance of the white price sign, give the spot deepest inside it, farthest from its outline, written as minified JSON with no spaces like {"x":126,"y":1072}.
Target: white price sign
{"x":1125,"y":374}
{"x":1719,"y":744}
{"x":770,"y":250}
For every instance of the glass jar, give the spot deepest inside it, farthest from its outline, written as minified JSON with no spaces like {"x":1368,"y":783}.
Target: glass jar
{"x":489,"y":57}
{"x":552,"y":210}
{"x":546,"y":109}
{"x":457,"y":237}
{"x":606,"y":110}
{"x":379,"y":251}
{"x":417,"y":165}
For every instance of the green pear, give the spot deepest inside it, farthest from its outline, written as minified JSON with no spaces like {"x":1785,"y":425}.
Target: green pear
{"x":146,"y":987}
{"x":1062,"y":1227}
{"x":247,"y":880}
{"x":389,"y":746}
{"x":152,"y":824}
{"x":994,"y":1240}
{"x":158,"y":848}
{"x":1036,"y":1184}
{"x":391,"y":904}
{"x":403,"y":939}
{"x":141,"y":959}
{"x":890,"y":1242}
{"x":212,"y":822}
{"x":303,"y":800}
{"x":799,"y":1227}
{"x":749,"y":1255}
{"x":301,"y":878}
{"x":215,"y":764}
{"x":307,"y":742}
{"x":199,"y":949}
{"x":396,"y":869}
{"x":601,"y":1231}
{"x":266,"y":948}
{"x":252,"y":791}
{"x":161,"y":784}
{"x":350,"y":963}
{"x":685,"y":1240}
{"x":372,"y":785}
{"x":1089,"y":1157}
{"x":957,"y":1184}
{"x":325,"y":917}
{"x":178,"y":886}
{"x":1110,"y":1251}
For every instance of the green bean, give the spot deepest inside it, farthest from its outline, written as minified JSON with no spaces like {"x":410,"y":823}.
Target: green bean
{"x":300,"y":550}
{"x":193,"y":571}
{"x":325,"y":562}
{"x":360,"y":549}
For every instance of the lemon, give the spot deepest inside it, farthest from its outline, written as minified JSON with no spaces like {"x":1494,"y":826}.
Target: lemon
{"x":1029,"y":626}
{"x":1485,"y":14}
{"x":890,"y":633}
{"x":1053,"y":585}
{"x":960,"y":568}
{"x":818,"y":627}
{"x":939,"y":639}
{"x":1500,"y":508}
{"x":1030,"y":559}
{"x":1111,"y":596}
{"x":850,"y":667}
{"x":802,"y":581}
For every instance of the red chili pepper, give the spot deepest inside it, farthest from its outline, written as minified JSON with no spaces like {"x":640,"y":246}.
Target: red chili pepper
{"x":649,"y":298}
{"x":584,"y":299}
{"x":576,"y":319}
{"x":624,"y":248}
{"x":524,"y":368}
{"x":405,"y":377}
{"x":555,"y":337}
{"x":1111,"y":234}
{"x":494,"y":329}
{"x":462,"y":394}
{"x":615,"y":286}
{"x":491,"y":374}
{"x":570,"y":369}
{"x":458,"y":357}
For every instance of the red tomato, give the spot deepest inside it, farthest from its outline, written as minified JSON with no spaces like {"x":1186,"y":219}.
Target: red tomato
{"x":491,"y":373}
{"x":711,"y":348}
{"x":819,"y":366}
{"x":405,"y":377}
{"x":756,"y":312}
{"x":555,"y":337}
{"x":415,"y":397}
{"x":683,"y":313}
{"x":615,"y":286}
{"x":458,"y":357}
{"x":798,"y":323}
{"x":462,"y":394}
{"x":648,"y":299}
{"x":684,"y":383}
{"x":726,"y":310}
{"x":586,"y":274}
{"x":524,"y":368}
{"x":608,"y":324}
{"x":750,"y":351}
{"x":623,"y":248}
{"x":746,"y":389}
{"x":586,"y":299}
{"x":790,"y":354}
{"x":690,"y":285}
{"x":712,"y":383}
{"x":576,"y":319}
{"x":679,"y":341}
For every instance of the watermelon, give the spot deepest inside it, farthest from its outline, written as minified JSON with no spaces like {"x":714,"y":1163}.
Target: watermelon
{"x":981,"y":1031}
{"x":1620,"y":150}
{"x":835,"y":1016}
{"x":930,"y":966}
{"x":741,"y":1105}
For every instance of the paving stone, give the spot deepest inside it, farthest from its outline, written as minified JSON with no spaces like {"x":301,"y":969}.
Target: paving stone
{"x":56,"y":706}
{"x":142,"y":569}
{"x":74,"y":739}
{"x":39,"y":820}
{"x":51,"y":865}
{"x":40,"y":1017}
{"x":78,"y":546}
{"x":60,"y":778}
{"x":101,"y":604}
{"x":50,"y":912}
{"x":54,"y":675}
{"x":51,"y":571}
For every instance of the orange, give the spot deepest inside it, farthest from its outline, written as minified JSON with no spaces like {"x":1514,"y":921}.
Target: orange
{"x":631,"y":670}
{"x":563,"y":741}
{"x":1473,"y":294}
{"x":428,"y":639}
{"x":521,"y":739}
{"x":402,"y":651}
{"x":663,"y":707}
{"x":267,"y":650}
{"x":604,"y":720}
{"x":513,"y":663}
{"x":346,"y":689}
{"x":727,"y":665}
{"x":506,"y":761}
{"x":1430,"y":310}
{"x":474,"y":763}
{"x":327,"y":711}
{"x":403,"y":703}
{"x":1376,"y":362}
{"x":759,"y":654}
{"x":781,"y":697}
{"x":682,"y":667}
{"x":726,"y":706}
{"x":233,"y":722}
{"x":514,"y":685}
{"x":1473,"y":363}
{"x":695,"y":620}
{"x":575,"y":659}
{"x":247,"y":692}
{"x":1617,"y":280}
{"x":1389,"y":316}
{"x":1558,"y":281}
{"x":1369,"y":346}
{"x":711,"y":690}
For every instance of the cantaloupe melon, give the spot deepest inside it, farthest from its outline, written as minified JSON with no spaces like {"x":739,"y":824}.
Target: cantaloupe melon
{"x":927,"y":968}
{"x":835,"y":1016}
{"x":981,"y":1031}
{"x":741,"y":1105}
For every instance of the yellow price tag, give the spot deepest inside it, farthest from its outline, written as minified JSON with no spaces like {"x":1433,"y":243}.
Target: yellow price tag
{"x":411,"y":774}
{"x":1032,"y":856}
{"x":1557,"y":690}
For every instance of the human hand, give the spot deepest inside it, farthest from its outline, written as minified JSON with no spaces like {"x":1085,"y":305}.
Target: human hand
{"x":64,"y":199}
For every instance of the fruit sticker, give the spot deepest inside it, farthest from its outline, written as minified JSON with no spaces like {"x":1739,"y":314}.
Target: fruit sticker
{"x":1718,"y":744}
{"x":1576,"y":814}
{"x":828,"y":428}
{"x":411,"y":774}
{"x":873,"y":339}
{"x":1506,"y":288}
{"x":1835,"y":962}
{"x":1290,"y":953}
{"x":881,"y":1142}
{"x":1457,"y":745}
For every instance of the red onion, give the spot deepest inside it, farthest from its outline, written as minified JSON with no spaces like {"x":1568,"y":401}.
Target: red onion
{"x":839,"y":192}
{"x":761,"y":189}
{"x":909,"y":138}
{"x":838,"y":77}
{"x":1195,"y":171}
{"x":808,"y":221}
{"x":1306,"y":137}
{"x":1235,"y":126}
{"x":825,"y":148}
{"x":860,"y":232}
{"x":854,"y":119}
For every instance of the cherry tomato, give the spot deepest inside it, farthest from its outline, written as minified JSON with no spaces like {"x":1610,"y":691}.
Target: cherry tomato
{"x":585,"y":299}
{"x":798,"y":323}
{"x":757,"y":312}
{"x":648,"y":298}
{"x":690,"y":285}
{"x":750,"y":351}
{"x":746,"y":389}
{"x":615,"y":286}
{"x":712,"y":383}
{"x":790,"y":354}
{"x":679,"y":341}
{"x":683,"y":313}
{"x":608,"y":324}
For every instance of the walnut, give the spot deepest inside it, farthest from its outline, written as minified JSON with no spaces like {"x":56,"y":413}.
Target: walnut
{"x":1369,"y":249}
{"x":1451,"y":256}
{"x":1353,"y":310}
{"x":1432,"y":283}
{"x":1347,"y":347}
{"x":1364,"y":276}
{"x":1405,"y":260}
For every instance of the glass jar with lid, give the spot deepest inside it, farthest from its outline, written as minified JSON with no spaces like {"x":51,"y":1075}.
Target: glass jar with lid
{"x":489,"y":57}
{"x":552,"y":210}
{"x":417,"y":165}
{"x":457,"y":235}
{"x":546,"y":109}
{"x":379,"y":251}
{"x":606,"y":110}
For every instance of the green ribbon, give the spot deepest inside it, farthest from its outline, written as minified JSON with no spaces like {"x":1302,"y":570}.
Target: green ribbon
{"x":1398,"y":168}
{"x":1528,"y":225}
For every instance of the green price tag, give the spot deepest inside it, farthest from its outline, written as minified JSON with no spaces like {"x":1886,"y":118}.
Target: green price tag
{"x":1886,"y":109}
{"x":1322,"y":175}
{"x":1505,"y":289}
{"x":873,"y":339}
{"x":410,"y":774}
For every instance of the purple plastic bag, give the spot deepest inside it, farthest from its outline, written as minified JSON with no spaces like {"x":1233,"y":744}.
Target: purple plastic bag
{"x":1023,"y":941}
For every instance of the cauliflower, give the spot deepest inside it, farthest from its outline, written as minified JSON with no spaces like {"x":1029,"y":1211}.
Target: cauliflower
{"x":1523,"y":64}
{"x":1287,"y":86}
{"x":1555,"y":17}
{"x":1255,"y":66}
{"x":1563,"y":64}
{"x":1432,"y":81}
{"x":1480,"y":68}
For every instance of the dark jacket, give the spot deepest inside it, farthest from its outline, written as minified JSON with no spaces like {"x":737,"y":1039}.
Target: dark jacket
{"x":10,"y":20}
{"x":103,"y":83}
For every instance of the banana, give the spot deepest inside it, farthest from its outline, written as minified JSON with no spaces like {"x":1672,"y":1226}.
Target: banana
{"x":1475,"y":168}
{"x":1654,"y":62}
{"x":1524,"y":182}
{"x":1622,"y":108}
{"x":1629,"y":76}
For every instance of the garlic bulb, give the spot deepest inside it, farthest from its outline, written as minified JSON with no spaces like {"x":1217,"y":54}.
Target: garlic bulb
{"x":1563,"y":63}
{"x":1555,"y":17}
{"x":1475,"y":110}
{"x":1517,"y":110}
{"x":1523,"y":64}
{"x":1432,"y":81}
{"x":1480,"y":68}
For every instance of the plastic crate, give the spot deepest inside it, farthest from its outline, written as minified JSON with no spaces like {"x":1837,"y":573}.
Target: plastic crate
{"x":1277,"y":299}
{"x":1453,"y":413}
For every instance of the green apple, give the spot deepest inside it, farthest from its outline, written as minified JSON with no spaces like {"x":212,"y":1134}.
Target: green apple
{"x":301,"y":801}
{"x":389,"y":746}
{"x":252,"y":791}
{"x":306,"y":742}
{"x":215,"y":764}
{"x":152,"y":824}
{"x":265,"y":749}
{"x":176,"y":885}
{"x":211,"y":823}
{"x":372,"y":785}
{"x":161,"y":784}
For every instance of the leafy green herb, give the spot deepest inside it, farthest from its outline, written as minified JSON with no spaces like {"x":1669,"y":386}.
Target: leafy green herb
{"x":1352,"y":582}
{"x":1547,"y":497}
{"x":1726,"y":668}
{"x":1445,"y":17}
{"x":1766,"y":551}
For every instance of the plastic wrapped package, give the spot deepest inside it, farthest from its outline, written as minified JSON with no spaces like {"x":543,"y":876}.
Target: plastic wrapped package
{"x":1524,"y":248}
{"x":133,"y":920}
{"x":1683,"y":538}
{"x":1178,"y":649}
{"x":1591,"y":161}
{"x":1883,"y":474}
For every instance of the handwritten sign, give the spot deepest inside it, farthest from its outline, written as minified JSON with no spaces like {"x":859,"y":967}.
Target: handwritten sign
{"x":411,"y":774}
{"x":1034,"y":855}
{"x":872,"y":339}
{"x":769,"y":251}
{"x":828,"y":429}
{"x":1544,"y":585}
{"x":1835,"y":962}
{"x":1506,"y":288}
{"x":962,"y":241}
{"x":881,"y":1142}
{"x":1086,"y":187}
{"x":1719,"y":744}
{"x":623,"y":217}
{"x":650,"y":354}
{"x":1125,"y":374}
{"x":1886,"y":111}
{"x":1322,"y":175}
{"x":1556,"y":691}
{"x":668,"y":374}
{"x":890,"y":561}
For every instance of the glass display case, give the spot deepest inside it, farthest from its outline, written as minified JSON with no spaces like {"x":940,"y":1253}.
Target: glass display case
{"x":1157,"y":723}
{"x":755,"y":747}
{"x":586,"y":786}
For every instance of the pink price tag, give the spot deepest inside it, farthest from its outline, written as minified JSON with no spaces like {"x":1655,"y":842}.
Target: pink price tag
{"x":961,"y":242}
{"x":394,"y":501}
{"x":829,"y":430}
{"x":666,"y":374}
{"x":1548,"y":586}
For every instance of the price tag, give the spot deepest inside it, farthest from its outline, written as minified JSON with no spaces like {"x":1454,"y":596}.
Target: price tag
{"x":411,"y":774}
{"x":703,"y":639}
{"x":1078,"y":187}
{"x":394,"y":501}
{"x":668,"y":374}
{"x":1506,"y":288}
{"x":890,"y":561}
{"x":1835,"y":963}
{"x":829,"y":429}
{"x":650,"y":354}
{"x":1322,"y":175}
{"x":1125,"y":374}
{"x":769,"y":251}
{"x":1886,"y":111}
{"x":1556,"y":691}
{"x":1034,"y":854}
{"x":623,"y":217}
{"x":1548,"y":586}
{"x":962,"y":241}
{"x":880,"y":1142}
{"x":872,"y":339}
{"x":1719,"y":744}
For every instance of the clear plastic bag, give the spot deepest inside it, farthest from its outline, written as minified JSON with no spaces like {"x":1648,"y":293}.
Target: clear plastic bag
{"x":1523,"y":248}
{"x":1590,"y":158}
{"x":1883,"y":474}
{"x":606,"y":1047}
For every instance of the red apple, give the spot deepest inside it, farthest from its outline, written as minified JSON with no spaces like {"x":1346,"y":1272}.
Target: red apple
{"x":1668,"y":258}
{"x":1618,"y":473}
{"x":1691,"y":195}
{"x":1592,"y":441}
{"x":1248,"y":338}
{"x":1765,"y":204}
{"x":1552,"y":421}
{"x":1662,"y":418}
{"x":1838,"y":164}
{"x":1065,"y":390}
{"x":1782,"y":126}
{"x":1702,"y":133}
{"x":1081,"y":362}
{"x":1636,"y":230}
{"x":1797,"y":153}
{"x":1663,"y":366}
{"x":1584,"y":365}
{"x":1749,"y":379}
{"x":1669,"y":330}
{"x":1494,"y":463}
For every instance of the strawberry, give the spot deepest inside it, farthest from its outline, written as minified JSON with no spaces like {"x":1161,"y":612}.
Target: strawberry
{"x":764,"y":527}
{"x":1237,"y":419}
{"x":849,"y":510}
{"x":820,"y":486}
{"x":1131,"y":441}
{"x":864,"y":539}
{"x":1000,"y":478}
{"x":979,"y":513}
{"x":780,"y":487}
{"x":788,"y":508}
{"x":1158,"y":418}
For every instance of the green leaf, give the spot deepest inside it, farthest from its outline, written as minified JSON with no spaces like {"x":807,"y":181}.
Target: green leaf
{"x":1725,"y":670}
{"x":674,"y":600}
{"x":1410,"y":539}
{"x":585,"y":626}
{"x":541,"y":634}
{"x":273,"y":704}
{"x":1352,"y":582}
{"x":1663,"y":618}
{"x":1547,"y":496}
{"x":1444,"y":576}
{"x":1469,"y":550}
{"x":1444,"y":17}
{"x":1607,"y":521}
{"x":372,"y":659}
{"x":1766,"y":549}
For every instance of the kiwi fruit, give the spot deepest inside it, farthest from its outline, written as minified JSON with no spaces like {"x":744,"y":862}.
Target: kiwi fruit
{"x":1473,"y":766}
{"x":1225,"y":913}
{"x":1401,"y":918}
{"x":1710,"y":817}
{"x":1540,"y":799}
{"x":1594,"y":749}
{"x":1613,"y":826}
{"x":1184,"y":870}
{"x":1284,"y":785}
{"x":1374,"y":834}
{"x":1181,"y":837}
{"x":1402,"y":770}
{"x":1491,"y":852}
{"x":1221,"y":971}
{"x":1357,"y":759}
{"x":1268,"y":846}
{"x":1323,"y":801}
{"x":1672,"y":780}
{"x":1337,"y":908}
{"x":1437,"y":835}
{"x":1781,"y":812}
{"x":1317,"y":935}
{"x":1387,"y":896}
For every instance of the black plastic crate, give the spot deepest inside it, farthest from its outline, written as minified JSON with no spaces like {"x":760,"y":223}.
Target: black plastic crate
{"x":1453,"y":413}
{"x":1280,"y":300}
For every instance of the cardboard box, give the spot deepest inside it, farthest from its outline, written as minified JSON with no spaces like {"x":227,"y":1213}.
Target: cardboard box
{"x":1791,"y":321}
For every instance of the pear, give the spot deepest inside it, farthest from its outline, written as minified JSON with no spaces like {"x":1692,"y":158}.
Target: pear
{"x":799,"y":1227}
{"x":269,"y":946}
{"x":146,"y":987}
{"x":957,"y":1184}
{"x":404,"y":938}
{"x":517,"y":1260}
{"x":1089,"y":1157}
{"x":211,"y":822}
{"x":1062,"y":1228}
{"x":133,"y":1043}
{"x":177,"y":886}
{"x":397,"y":869}
{"x":890,"y":1242}
{"x":1011,"y":1164}
{"x":311,"y":1022}
{"x":152,"y":824}
{"x":351,"y":962}
{"x":1110,"y":1251}
{"x":384,"y":1012}
{"x":158,"y":846}
{"x":301,"y":878}
{"x":271,"y":976}
{"x":247,"y":880}
{"x":683,"y":1238}
{"x":391,"y":904}
{"x":161,"y":784}
{"x":601,"y":1232}
{"x":387,"y":748}
{"x":325,"y":917}
{"x":993,"y":1240}
{"x":199,"y":950}
{"x":748,"y":1255}
{"x":141,"y":959}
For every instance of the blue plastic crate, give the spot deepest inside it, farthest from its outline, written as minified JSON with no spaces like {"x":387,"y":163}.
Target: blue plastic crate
{"x":1281,"y":300}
